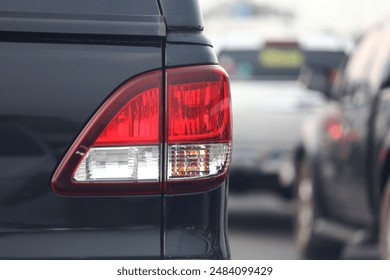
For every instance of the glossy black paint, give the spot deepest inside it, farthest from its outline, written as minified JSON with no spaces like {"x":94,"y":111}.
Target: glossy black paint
{"x":53,"y":78}
{"x":136,"y":17}
{"x":196,"y":232}
{"x":182,"y":55}
{"x":93,"y":24}
{"x":76,"y":7}
{"x":195,"y":225}
{"x":47,"y":95}
{"x":182,"y":15}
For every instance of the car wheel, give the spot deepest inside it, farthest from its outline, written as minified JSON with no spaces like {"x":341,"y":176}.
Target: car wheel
{"x":310,"y":243}
{"x":384,"y":224}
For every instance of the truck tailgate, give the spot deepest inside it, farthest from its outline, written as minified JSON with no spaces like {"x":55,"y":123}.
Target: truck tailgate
{"x":48,"y":91}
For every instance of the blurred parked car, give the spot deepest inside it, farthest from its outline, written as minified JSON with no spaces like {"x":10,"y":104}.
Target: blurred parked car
{"x":343,"y":162}
{"x":269,"y":104}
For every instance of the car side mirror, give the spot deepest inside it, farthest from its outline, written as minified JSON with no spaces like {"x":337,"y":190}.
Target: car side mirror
{"x":386,"y":83}
{"x":316,"y":79}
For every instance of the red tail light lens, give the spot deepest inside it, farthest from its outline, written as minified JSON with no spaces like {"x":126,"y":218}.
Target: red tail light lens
{"x":119,"y":151}
{"x":198,"y":105}
{"x":137,"y":122}
{"x":199,"y":128}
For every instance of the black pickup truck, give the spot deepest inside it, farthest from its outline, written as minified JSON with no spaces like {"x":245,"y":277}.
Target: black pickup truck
{"x":115,"y":131}
{"x":343,"y":164}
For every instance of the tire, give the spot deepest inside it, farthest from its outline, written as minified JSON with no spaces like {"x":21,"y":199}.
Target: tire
{"x":384,"y":224}
{"x":307,"y":212}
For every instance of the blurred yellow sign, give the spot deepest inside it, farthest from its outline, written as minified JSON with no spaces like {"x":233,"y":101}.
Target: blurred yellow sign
{"x":281,"y":58}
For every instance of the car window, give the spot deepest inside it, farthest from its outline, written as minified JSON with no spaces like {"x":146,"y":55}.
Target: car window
{"x":338,"y":85}
{"x":381,"y":64}
{"x":280,"y":63}
{"x":329,"y":60}
{"x":361,"y":60}
{"x":269,"y":62}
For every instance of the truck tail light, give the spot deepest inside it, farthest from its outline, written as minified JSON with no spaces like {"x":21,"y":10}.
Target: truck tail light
{"x":199,"y":128}
{"x":119,"y":151}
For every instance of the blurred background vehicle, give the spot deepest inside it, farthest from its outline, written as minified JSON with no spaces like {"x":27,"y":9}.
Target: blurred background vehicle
{"x":270,"y":101}
{"x":342,"y":191}
{"x":261,"y":224}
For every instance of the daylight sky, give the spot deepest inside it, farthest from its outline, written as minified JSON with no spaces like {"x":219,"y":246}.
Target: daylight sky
{"x":338,"y":16}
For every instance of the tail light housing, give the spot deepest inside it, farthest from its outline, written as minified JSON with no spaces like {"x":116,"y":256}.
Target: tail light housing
{"x":198,"y":128}
{"x":147,"y":139}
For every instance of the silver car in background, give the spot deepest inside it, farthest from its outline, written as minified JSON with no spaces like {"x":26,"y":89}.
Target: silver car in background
{"x":270,"y":100}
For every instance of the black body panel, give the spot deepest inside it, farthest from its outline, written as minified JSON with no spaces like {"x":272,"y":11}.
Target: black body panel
{"x":48,"y":93}
{"x":195,"y":224}
{"x":182,"y":15}
{"x":83,"y":7}
{"x":71,"y":24}
{"x":136,"y":17}
{"x":57,"y":68}
{"x":182,"y":55}
{"x":196,"y":232}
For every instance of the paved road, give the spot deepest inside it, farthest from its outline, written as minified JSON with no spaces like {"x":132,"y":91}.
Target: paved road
{"x":260,"y":227}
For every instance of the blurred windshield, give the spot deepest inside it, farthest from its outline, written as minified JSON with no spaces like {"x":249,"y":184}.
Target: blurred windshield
{"x":274,"y":62}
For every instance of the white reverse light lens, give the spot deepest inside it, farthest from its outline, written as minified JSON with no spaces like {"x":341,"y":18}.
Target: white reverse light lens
{"x":196,"y":161}
{"x":135,"y":163}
